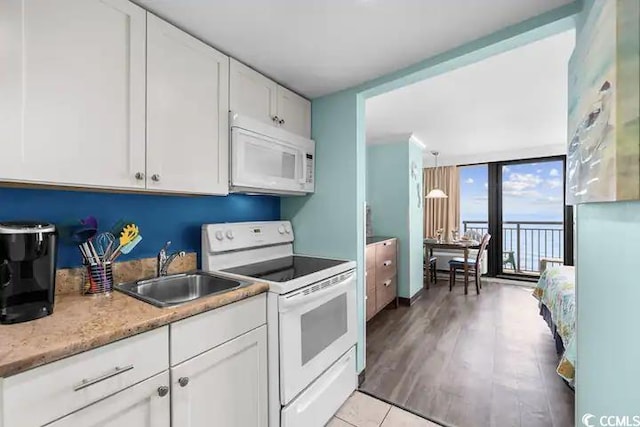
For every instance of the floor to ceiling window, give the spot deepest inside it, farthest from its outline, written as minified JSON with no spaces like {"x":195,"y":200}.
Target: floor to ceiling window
{"x":532,"y":215}
{"x":521,"y":204}
{"x":474,"y":190}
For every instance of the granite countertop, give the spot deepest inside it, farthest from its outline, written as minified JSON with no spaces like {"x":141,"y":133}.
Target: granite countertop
{"x":80,"y":323}
{"x":377,"y":239}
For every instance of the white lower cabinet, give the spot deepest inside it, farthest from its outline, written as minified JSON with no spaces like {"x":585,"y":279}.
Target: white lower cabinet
{"x":146,"y":404}
{"x":219,"y":377}
{"x":225,"y":386}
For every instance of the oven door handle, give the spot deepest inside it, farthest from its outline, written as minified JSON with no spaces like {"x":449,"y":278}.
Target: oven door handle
{"x":298,"y":299}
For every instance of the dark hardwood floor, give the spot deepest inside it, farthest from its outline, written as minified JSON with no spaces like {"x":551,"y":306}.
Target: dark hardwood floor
{"x":475,"y":360}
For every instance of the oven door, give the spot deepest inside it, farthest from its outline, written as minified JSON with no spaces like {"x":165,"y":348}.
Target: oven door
{"x":268,"y":165}
{"x":317,"y":326}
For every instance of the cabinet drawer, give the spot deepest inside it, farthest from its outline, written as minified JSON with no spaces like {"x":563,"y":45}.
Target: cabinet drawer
{"x":43,"y":394}
{"x":386,"y":251}
{"x":385,"y":292}
{"x":386,"y":259}
{"x":142,"y":405}
{"x":197,"y":334}
{"x":370,"y":279}
{"x":370,"y":255}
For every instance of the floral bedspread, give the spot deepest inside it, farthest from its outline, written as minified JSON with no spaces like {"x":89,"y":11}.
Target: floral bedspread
{"x":556,"y":289}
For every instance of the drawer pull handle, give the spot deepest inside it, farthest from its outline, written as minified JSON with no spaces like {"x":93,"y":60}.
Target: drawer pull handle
{"x":183,"y":381}
{"x":387,"y":263}
{"x":116,"y":371}
{"x":386,"y":243}
{"x":387,"y":283}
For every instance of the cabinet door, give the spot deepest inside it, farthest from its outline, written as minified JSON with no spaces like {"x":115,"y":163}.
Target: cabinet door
{"x":251,"y":93}
{"x":187,"y":112}
{"x":225,"y":386}
{"x":72,"y":92}
{"x":142,"y":405}
{"x":295,"y":111}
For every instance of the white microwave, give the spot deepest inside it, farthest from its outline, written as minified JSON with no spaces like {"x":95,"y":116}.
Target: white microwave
{"x":268,"y":160}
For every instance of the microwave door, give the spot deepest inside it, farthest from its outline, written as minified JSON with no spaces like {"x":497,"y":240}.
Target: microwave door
{"x":264,"y":163}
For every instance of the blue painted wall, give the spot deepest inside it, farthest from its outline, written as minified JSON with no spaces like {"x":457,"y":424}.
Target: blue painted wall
{"x":416,"y":220}
{"x":608,"y":303}
{"x":388,"y":198}
{"x":608,"y":295}
{"x":331,"y":221}
{"x":160,"y":217}
{"x":392,"y":196}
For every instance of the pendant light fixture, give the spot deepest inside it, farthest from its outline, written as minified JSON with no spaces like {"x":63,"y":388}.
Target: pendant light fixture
{"x":436,"y":193}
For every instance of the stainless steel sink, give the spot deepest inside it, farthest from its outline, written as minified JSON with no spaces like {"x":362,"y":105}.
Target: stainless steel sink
{"x":177,"y":289}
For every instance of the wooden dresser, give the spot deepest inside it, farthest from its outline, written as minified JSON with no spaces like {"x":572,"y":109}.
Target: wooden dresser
{"x":381,"y":273}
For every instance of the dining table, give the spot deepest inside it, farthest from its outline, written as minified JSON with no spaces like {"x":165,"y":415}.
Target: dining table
{"x":459,"y":245}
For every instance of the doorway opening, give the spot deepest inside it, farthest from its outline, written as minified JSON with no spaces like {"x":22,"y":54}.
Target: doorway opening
{"x":480,"y":358}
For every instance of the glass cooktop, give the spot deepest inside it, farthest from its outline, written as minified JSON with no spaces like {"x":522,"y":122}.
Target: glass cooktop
{"x":284,"y":269}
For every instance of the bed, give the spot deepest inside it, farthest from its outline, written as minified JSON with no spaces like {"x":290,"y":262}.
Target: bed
{"x":556,"y":293}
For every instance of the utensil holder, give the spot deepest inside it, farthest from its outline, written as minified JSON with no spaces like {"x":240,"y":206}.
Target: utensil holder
{"x":98,"y":279}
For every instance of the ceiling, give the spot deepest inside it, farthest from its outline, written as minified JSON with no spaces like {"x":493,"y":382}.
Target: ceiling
{"x":319,"y":47}
{"x":512,"y":105}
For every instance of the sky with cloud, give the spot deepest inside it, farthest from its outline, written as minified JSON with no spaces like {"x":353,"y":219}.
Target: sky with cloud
{"x":531,"y":191}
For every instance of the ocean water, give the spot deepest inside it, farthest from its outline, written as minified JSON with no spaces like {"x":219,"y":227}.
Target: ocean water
{"x":527,"y":243}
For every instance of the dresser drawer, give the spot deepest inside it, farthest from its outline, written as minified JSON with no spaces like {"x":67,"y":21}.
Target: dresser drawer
{"x":386,"y":260}
{"x":197,"y":334}
{"x":370,"y":255}
{"x":386,"y":251}
{"x":385,"y":292}
{"x":43,"y":394}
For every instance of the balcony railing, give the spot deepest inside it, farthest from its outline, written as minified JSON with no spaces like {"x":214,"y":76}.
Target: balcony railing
{"x":525,"y":243}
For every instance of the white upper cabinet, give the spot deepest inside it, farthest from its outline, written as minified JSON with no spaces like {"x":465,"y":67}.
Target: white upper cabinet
{"x":225,"y":386}
{"x":72,"y":92}
{"x":251,"y":93}
{"x":187,"y":112}
{"x":294,"y":112}
{"x":256,"y":96}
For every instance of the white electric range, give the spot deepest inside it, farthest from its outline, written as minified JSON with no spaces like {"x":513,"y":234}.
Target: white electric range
{"x":311,"y":317}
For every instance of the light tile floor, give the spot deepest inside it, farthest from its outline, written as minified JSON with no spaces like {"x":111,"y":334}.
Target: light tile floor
{"x":362,"y":410}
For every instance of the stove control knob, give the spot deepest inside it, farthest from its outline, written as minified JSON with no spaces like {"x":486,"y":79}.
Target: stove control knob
{"x":229,"y":234}
{"x":219,"y":235}
{"x":287,"y":229}
{"x":281,"y":229}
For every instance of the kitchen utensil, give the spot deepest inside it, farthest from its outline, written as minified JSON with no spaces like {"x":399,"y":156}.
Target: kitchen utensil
{"x":119,"y":225}
{"x":132,"y":244}
{"x":89,"y":222}
{"x":104,"y":243}
{"x":128,"y":233}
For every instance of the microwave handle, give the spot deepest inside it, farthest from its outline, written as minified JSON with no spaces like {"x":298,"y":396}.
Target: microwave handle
{"x":303,"y":179}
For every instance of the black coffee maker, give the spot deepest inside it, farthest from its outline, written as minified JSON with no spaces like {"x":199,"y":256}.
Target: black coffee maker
{"x":27,"y":270}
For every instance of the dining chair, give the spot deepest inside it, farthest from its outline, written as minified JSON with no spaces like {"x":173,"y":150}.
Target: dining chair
{"x":428,"y":268}
{"x":457,"y":263}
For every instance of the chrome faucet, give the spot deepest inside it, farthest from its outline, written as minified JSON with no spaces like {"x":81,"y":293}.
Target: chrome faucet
{"x":164,"y":260}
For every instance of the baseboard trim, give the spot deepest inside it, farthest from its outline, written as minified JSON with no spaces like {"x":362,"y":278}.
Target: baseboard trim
{"x":361,"y":376}
{"x":408,"y":302}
